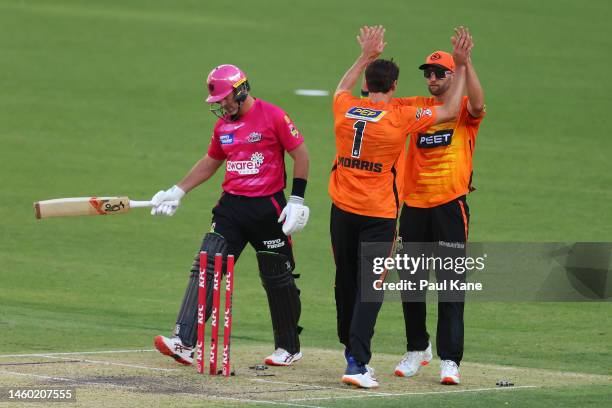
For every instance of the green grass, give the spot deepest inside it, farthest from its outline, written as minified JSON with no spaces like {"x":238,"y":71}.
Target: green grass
{"x":590,"y":396}
{"x":105,"y":98}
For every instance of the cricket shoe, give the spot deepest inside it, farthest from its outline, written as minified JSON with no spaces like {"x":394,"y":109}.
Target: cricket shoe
{"x":349,"y":358}
{"x":359,"y":375}
{"x":413,"y":361}
{"x":449,"y":372}
{"x":174,"y":348}
{"x":282,"y":357}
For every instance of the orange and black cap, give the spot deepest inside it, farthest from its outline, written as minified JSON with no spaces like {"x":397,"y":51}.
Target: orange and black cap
{"x":439,"y":59}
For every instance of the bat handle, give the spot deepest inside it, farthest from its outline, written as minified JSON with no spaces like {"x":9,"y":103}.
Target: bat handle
{"x":142,"y":204}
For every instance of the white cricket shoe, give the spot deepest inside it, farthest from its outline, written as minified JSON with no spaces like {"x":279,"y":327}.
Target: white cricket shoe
{"x":371,"y":372}
{"x":364,"y":380}
{"x":359,"y":375}
{"x":449,"y":372}
{"x":413,"y":361}
{"x":174,"y":348}
{"x":282,"y":357}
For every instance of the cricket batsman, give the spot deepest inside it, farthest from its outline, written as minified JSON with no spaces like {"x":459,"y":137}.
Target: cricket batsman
{"x":250,"y":137}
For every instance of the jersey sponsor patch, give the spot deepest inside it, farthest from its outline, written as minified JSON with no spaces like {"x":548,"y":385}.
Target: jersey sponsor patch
{"x":371,"y":115}
{"x":437,"y":139}
{"x":227,"y":139}
{"x":245,"y":167}
{"x":422,"y":112}
{"x":274,"y":243}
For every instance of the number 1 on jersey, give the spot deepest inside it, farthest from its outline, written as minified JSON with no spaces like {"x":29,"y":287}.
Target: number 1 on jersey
{"x":359,"y":126}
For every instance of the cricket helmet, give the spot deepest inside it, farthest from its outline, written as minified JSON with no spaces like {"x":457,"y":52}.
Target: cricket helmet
{"x":224,"y":80}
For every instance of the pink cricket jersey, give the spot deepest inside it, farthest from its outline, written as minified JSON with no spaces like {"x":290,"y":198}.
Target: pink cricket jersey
{"x":254,"y":149}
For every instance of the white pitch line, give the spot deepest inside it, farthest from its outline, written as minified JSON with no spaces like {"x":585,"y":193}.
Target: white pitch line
{"x":72,"y":380}
{"x":45,"y":377}
{"x":251,"y":401}
{"x":413,"y":393}
{"x":73,"y":353}
{"x":323,"y":387}
{"x":112,"y":363}
{"x":541,"y":370}
{"x":85,"y":383}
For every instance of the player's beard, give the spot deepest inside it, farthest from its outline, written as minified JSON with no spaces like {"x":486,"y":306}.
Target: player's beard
{"x":438,"y":89}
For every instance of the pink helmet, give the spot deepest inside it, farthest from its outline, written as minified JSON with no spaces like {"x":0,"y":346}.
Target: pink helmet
{"x":222,"y":81}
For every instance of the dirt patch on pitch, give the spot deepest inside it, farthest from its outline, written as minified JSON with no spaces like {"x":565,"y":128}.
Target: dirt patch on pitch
{"x":149,"y":379}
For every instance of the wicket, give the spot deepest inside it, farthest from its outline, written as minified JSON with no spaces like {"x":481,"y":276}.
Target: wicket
{"x":214,"y":317}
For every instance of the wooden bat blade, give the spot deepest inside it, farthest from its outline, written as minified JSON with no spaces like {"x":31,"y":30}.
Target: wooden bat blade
{"x":70,"y":207}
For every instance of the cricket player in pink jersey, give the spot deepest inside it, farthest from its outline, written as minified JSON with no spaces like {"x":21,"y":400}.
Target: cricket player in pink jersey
{"x":251,"y":138}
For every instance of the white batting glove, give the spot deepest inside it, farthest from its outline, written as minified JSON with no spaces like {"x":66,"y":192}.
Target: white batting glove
{"x":167,"y":202}
{"x":295,"y":215}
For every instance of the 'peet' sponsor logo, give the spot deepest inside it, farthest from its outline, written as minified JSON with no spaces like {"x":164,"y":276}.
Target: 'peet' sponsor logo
{"x":360,"y":164}
{"x":246,"y":166}
{"x":437,"y":139}
{"x":371,"y":115}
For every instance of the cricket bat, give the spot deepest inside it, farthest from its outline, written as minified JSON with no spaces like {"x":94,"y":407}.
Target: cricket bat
{"x":70,"y":207}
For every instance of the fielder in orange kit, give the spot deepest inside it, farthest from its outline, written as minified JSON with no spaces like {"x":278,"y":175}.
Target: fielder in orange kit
{"x":370,"y":137}
{"x":438,"y":176}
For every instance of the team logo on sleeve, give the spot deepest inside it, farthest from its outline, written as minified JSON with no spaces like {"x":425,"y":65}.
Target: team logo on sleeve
{"x":254,"y":137}
{"x":292,"y":129}
{"x":437,"y":139}
{"x":370,"y":115}
{"x":422,"y":112}
{"x":227,"y":139}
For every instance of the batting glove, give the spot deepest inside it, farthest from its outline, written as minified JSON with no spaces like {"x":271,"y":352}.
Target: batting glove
{"x":167,"y":202}
{"x":295,"y":215}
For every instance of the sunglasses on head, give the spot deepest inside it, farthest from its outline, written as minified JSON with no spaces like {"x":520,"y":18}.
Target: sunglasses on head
{"x":438,"y":72}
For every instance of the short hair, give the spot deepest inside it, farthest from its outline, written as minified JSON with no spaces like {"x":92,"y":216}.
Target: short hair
{"x":380,"y":75}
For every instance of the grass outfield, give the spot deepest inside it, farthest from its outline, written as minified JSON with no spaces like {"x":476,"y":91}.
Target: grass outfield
{"x":105,"y":98}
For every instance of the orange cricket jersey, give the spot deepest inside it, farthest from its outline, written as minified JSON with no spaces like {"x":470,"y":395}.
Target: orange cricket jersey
{"x":370,"y":139}
{"x":438,"y":166}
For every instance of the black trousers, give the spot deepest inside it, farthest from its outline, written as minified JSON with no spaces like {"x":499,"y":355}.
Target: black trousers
{"x":254,"y":220}
{"x":240,"y":220}
{"x":355,"y":318}
{"x":447,"y":223}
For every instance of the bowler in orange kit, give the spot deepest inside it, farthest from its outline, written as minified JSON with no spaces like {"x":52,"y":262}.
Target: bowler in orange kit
{"x":370,"y":137}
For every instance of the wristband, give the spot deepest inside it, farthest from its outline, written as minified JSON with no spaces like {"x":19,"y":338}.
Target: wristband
{"x":364,"y":93}
{"x":299,"y":187}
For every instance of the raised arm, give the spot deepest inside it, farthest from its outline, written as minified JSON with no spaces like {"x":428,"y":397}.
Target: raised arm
{"x":475,"y":93}
{"x":461,"y":49}
{"x":371,"y":40}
